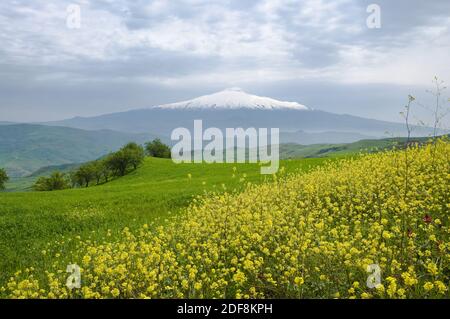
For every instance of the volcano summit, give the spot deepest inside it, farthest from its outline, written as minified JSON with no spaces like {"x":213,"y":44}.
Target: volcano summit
{"x":232,"y":108}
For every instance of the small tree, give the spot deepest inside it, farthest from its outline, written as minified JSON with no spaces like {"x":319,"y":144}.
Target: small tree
{"x":97,"y":173}
{"x":156,"y":148}
{"x":85,"y":174}
{"x":100,"y":170}
{"x":129,"y":155}
{"x":74,"y":180}
{"x":136,"y":154}
{"x":56,"y":181}
{"x":104,"y":170}
{"x":118,"y":163}
{"x":3,"y":178}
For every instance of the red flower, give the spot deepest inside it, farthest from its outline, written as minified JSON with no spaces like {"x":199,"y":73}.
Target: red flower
{"x":427,"y":219}
{"x":410,"y":232}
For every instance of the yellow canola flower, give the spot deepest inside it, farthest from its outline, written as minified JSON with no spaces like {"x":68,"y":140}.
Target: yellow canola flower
{"x":441,"y":287}
{"x":299,"y":281}
{"x":428,"y":286}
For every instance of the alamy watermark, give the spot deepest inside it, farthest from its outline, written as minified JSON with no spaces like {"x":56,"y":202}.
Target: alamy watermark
{"x":237,"y":145}
{"x":73,"y":19}
{"x":74,"y":279}
{"x":374,"y":19}
{"x":374,"y":279}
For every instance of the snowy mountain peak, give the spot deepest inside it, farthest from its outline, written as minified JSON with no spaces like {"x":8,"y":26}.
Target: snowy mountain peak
{"x":234,"y":98}
{"x":234,"y":89}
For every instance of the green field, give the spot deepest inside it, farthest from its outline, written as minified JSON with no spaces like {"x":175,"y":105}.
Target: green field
{"x":156,"y":191}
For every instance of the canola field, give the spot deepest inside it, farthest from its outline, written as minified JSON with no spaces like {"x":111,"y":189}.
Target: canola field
{"x":303,"y":235}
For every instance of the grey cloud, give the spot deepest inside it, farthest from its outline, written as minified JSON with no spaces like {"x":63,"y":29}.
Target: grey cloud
{"x":46,"y":74}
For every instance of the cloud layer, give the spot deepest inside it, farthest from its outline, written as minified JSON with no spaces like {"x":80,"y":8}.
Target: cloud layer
{"x":130,"y":54}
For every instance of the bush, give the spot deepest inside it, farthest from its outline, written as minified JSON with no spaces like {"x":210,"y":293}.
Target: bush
{"x":57,"y":181}
{"x":156,"y":148}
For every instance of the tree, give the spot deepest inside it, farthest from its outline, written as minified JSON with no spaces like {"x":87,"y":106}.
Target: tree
{"x":56,"y":181}
{"x":96,"y":168}
{"x":118,"y":163}
{"x":100,"y":170}
{"x":74,"y":181}
{"x":156,"y":148}
{"x":3,"y":178}
{"x":136,"y":154}
{"x":129,"y":155}
{"x":104,"y":170}
{"x":85,"y":174}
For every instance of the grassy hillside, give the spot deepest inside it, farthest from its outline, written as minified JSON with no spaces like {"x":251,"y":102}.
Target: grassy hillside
{"x":287,"y":151}
{"x":313,"y":235}
{"x":309,"y":138}
{"x":28,"y":221}
{"x":323,"y":150}
{"x":24,"y":148}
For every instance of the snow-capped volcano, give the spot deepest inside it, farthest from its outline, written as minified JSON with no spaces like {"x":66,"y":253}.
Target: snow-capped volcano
{"x":234,"y":98}
{"x":235,"y":108}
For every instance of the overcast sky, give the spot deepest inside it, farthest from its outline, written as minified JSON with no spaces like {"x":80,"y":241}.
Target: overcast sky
{"x":132,"y":54}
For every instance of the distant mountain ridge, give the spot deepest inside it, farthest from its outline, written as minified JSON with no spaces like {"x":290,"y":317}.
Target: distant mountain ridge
{"x":163,"y":121}
{"x":235,"y":108}
{"x":24,"y":148}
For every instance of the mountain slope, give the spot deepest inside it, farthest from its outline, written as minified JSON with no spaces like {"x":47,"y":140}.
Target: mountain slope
{"x":235,"y":108}
{"x":163,"y":121}
{"x":24,"y":148}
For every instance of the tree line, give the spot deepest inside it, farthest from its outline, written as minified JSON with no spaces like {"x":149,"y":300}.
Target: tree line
{"x":116,"y":164}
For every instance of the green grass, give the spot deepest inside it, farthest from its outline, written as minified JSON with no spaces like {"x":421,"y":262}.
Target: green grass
{"x":157,"y":190}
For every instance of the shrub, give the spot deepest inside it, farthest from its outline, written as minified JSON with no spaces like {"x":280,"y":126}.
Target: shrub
{"x":57,"y":181}
{"x":156,"y":148}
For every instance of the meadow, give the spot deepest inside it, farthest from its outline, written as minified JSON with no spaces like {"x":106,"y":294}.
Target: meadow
{"x":30,"y":221}
{"x":304,"y":235}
